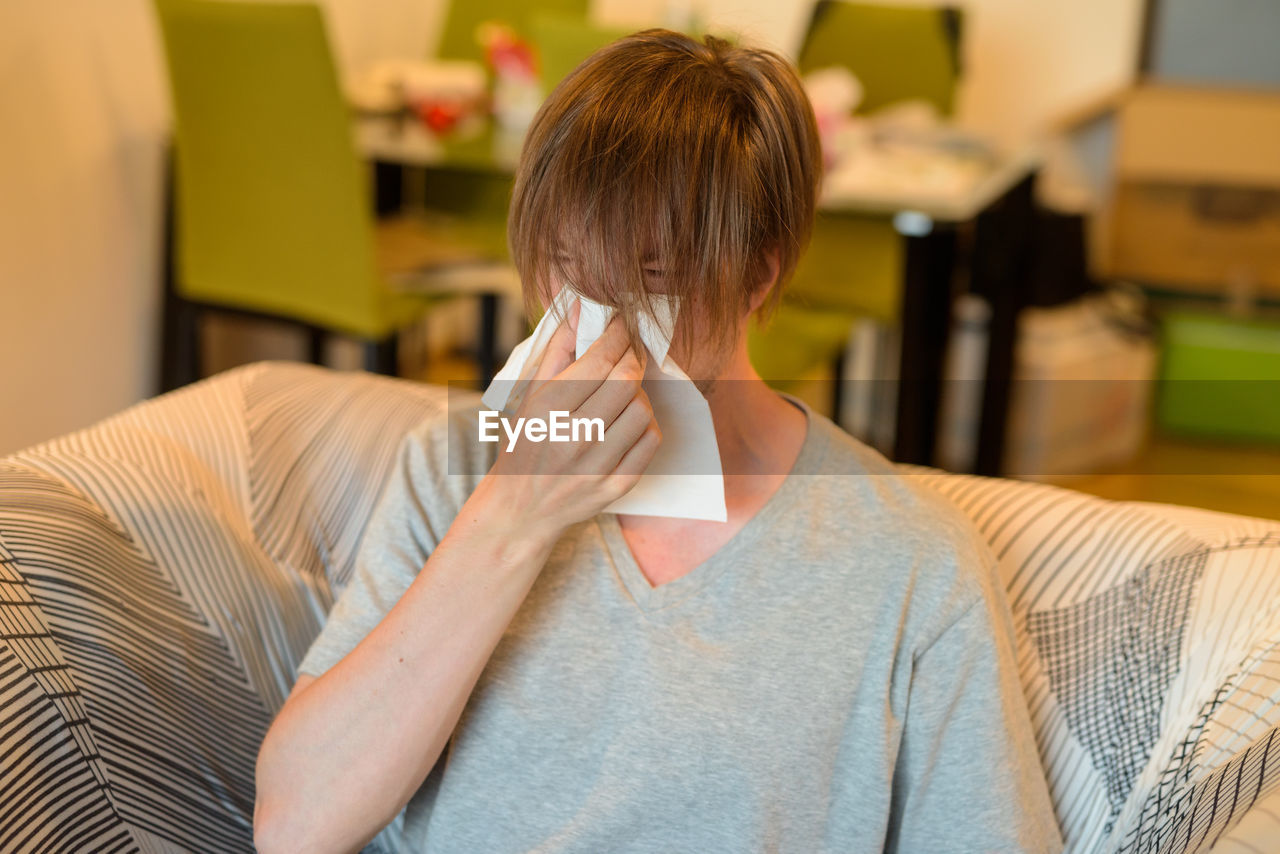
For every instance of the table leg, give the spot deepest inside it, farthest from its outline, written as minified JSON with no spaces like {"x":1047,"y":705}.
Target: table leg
{"x":487,"y":356}
{"x":926,"y":322}
{"x":317,"y":338}
{"x":388,"y":188}
{"x":1001,"y":265}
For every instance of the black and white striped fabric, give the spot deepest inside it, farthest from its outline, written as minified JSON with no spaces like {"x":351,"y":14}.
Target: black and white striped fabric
{"x":163,"y":573}
{"x":1149,"y":647}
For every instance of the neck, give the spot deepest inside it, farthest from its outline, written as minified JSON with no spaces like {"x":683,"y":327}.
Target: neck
{"x":760,"y":435}
{"x":759,"y":432}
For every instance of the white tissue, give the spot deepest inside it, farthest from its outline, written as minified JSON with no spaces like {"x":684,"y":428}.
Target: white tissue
{"x":669,"y":487}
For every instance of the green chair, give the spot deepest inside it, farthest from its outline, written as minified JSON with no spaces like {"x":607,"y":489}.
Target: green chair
{"x":854,"y":265}
{"x":899,"y":53}
{"x":480,"y":197}
{"x":562,"y":36}
{"x":562,"y":42}
{"x":272,"y":209}
{"x":458,"y":38}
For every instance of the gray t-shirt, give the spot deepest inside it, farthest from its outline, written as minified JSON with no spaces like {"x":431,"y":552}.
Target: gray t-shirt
{"x":840,"y":676}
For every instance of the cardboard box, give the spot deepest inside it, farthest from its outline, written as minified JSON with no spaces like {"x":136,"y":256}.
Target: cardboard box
{"x":1196,"y":204}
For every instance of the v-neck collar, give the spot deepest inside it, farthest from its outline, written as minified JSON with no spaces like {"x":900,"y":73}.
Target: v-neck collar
{"x":650,"y":599}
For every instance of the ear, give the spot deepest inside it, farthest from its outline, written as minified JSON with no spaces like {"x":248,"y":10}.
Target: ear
{"x":772,"y":266}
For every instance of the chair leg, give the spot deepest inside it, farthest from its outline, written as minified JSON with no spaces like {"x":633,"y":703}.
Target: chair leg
{"x":388,"y":188}
{"x":837,"y":385}
{"x":488,"y":356}
{"x":381,"y":357}
{"x":180,"y":319}
{"x":316,"y":339}
{"x":180,"y":343}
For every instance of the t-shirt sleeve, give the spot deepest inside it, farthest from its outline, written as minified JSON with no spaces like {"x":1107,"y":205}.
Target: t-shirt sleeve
{"x":968,"y":774}
{"x":402,"y":532}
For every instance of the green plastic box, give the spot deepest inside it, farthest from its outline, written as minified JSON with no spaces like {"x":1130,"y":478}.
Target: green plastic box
{"x":1220,"y":377}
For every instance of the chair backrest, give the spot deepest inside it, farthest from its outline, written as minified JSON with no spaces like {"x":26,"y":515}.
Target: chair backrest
{"x":458,"y":39}
{"x":564,"y":41}
{"x":272,"y":208}
{"x":898,"y":52}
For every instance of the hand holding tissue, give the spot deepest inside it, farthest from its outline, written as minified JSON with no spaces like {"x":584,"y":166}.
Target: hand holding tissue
{"x":684,"y":479}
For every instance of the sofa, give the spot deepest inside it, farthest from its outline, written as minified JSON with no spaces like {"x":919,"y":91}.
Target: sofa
{"x":163,"y":572}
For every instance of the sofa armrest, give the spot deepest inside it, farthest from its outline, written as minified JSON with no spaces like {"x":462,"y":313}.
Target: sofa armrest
{"x":52,"y":768}
{"x":184,"y":554}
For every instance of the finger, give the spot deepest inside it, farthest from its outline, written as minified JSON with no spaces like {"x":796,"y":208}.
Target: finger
{"x":561,"y":348}
{"x":626,"y":429}
{"x":613,"y":395}
{"x":635,"y":461}
{"x":602,"y":355}
{"x":577,"y":383}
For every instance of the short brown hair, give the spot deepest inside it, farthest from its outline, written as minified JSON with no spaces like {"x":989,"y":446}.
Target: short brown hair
{"x":658,"y":149}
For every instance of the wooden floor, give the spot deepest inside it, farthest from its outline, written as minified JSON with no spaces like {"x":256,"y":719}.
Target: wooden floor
{"x":1232,"y":478}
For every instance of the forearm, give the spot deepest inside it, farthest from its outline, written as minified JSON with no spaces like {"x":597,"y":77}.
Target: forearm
{"x":345,"y":755}
{"x":348,"y":751}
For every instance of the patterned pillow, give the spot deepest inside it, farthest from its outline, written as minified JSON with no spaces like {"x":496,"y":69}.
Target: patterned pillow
{"x":51,"y":766}
{"x":161,"y":575}
{"x":1149,"y":645}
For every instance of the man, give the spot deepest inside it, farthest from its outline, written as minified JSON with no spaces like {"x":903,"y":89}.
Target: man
{"x":512,"y":669}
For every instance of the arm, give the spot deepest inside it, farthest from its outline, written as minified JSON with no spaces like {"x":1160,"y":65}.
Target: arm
{"x":968,"y":775}
{"x":350,"y":748}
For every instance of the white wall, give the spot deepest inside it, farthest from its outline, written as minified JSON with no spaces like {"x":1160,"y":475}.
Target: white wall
{"x":80,"y":112}
{"x":1029,"y":61}
{"x":83,"y":118}
{"x":83,"y":113}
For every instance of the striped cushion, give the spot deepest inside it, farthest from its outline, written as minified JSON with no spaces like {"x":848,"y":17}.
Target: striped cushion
{"x":1148,"y":643}
{"x":162,"y":574}
{"x":53,"y":787}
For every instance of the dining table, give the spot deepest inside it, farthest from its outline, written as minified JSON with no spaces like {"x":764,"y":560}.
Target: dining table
{"x":981,"y":221}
